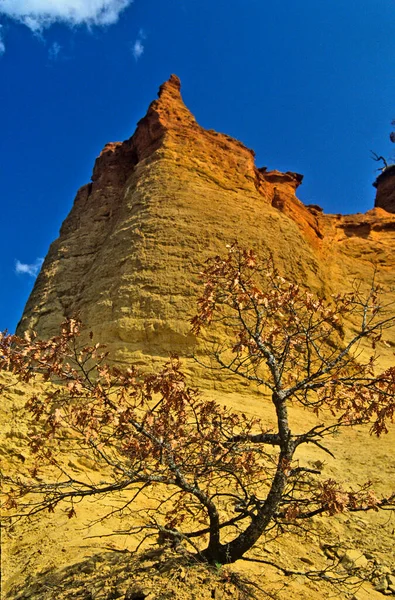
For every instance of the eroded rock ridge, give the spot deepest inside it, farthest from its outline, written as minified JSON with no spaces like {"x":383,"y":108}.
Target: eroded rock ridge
{"x":128,"y":255}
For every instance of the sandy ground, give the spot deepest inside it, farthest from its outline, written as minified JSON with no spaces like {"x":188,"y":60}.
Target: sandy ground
{"x":56,"y":557}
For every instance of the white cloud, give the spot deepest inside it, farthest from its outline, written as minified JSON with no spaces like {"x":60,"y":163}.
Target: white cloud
{"x":138,"y":46}
{"x":31,"y":269}
{"x":41,"y":14}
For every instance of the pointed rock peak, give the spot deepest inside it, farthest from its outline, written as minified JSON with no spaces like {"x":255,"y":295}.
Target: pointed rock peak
{"x":170,"y":105}
{"x":171,"y":86}
{"x":167,"y":115}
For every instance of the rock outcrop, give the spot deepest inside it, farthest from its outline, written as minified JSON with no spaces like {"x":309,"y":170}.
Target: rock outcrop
{"x":128,"y":255}
{"x":385,"y":184}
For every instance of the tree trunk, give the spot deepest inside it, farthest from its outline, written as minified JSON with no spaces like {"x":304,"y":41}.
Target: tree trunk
{"x":235,"y":549}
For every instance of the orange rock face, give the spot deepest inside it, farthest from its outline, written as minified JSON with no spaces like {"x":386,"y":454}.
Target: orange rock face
{"x":128,"y":255}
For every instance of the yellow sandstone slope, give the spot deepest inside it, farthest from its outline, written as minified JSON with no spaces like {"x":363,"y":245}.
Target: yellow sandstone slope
{"x":53,"y":557}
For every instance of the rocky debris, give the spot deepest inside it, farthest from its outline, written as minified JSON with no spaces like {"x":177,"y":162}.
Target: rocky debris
{"x":153,"y":575}
{"x":383,"y":580}
{"x":365,"y":565}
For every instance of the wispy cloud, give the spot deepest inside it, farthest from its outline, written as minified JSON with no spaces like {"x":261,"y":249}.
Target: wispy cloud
{"x":138,"y":49}
{"x":138,"y":46}
{"x":54,"y":50}
{"x":2,"y":46}
{"x":27,"y":269}
{"x":41,"y":14}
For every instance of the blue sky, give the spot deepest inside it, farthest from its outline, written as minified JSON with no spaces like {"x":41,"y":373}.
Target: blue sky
{"x":310,"y":86}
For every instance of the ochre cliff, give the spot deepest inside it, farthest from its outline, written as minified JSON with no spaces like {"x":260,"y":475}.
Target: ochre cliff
{"x":127,"y":262}
{"x":128,"y":255}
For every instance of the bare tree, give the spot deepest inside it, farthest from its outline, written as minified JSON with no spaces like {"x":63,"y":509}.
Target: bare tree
{"x":386,"y":162}
{"x":218,"y":481}
{"x":293,"y":344}
{"x":380,"y":158}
